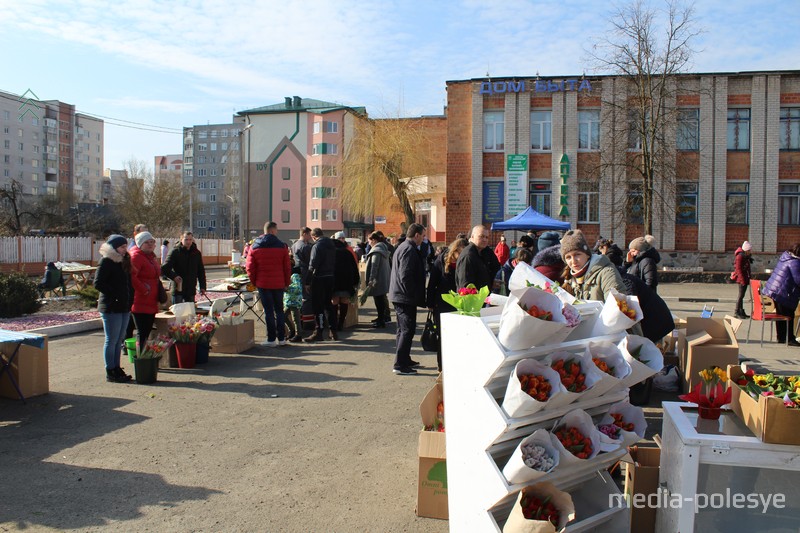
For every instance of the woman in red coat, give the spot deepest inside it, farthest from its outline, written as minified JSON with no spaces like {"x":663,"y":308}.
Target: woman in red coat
{"x":145,"y":273}
{"x":741,"y":275}
{"x":502,"y":251}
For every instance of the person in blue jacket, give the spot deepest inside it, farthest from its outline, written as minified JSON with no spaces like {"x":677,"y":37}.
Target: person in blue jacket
{"x":783,"y":286}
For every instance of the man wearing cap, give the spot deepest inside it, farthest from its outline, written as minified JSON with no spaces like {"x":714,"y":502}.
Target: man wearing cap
{"x":741,"y":275}
{"x":642,"y":262}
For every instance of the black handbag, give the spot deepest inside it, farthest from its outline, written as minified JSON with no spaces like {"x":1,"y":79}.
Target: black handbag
{"x":162,"y":293}
{"x":430,"y":335}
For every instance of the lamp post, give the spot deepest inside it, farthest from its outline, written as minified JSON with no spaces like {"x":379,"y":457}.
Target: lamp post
{"x":241,"y":181}
{"x":232,"y":199}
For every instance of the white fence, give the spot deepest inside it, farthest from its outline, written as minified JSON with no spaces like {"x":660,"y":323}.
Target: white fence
{"x":22,"y":250}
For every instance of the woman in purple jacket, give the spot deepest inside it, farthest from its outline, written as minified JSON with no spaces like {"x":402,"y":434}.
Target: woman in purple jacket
{"x":783,"y":286}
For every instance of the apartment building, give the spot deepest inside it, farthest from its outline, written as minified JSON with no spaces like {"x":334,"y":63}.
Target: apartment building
{"x":47,"y":145}
{"x":168,"y":166}
{"x":735,"y":144}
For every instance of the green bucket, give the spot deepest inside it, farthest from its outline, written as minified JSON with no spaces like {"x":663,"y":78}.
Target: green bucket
{"x":130,"y":345}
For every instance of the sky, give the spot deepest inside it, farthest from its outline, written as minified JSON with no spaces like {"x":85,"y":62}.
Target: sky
{"x":163,"y":65}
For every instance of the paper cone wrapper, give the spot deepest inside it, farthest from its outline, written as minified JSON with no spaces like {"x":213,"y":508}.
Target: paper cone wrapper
{"x":497,"y":299}
{"x":517,"y":523}
{"x":607,"y":444}
{"x":611,"y":319}
{"x":525,"y":276}
{"x":516,"y":471}
{"x":518,"y":403}
{"x":608,"y":352}
{"x":593,"y":375}
{"x":583,"y":422}
{"x":651,"y":359}
{"x":630,"y":413}
{"x":520,"y":331}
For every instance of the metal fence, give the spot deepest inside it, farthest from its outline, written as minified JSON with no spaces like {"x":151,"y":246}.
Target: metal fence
{"x":25,"y":250}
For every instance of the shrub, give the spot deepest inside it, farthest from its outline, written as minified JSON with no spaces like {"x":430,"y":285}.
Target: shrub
{"x":18,"y":295}
{"x":89,"y":295}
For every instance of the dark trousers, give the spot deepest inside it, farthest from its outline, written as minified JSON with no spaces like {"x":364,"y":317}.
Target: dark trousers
{"x":437,"y":318}
{"x":293,"y":320}
{"x":144,"y":324}
{"x":740,"y":300}
{"x":382,"y":306}
{"x":406,"y":328}
{"x":272,"y":300}
{"x":781,"y":326}
{"x":321,"y":294}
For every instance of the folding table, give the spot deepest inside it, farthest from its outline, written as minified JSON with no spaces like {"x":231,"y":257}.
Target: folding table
{"x":239,"y":296}
{"x":18,"y":338}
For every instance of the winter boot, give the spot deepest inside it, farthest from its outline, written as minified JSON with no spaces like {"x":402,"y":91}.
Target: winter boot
{"x":122,"y":375}
{"x":314,"y":337}
{"x":342,"y":315}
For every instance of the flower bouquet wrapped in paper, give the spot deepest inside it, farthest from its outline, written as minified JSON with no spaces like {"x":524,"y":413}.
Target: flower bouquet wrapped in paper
{"x":532,"y":386}
{"x":154,"y":348}
{"x":532,"y":317}
{"x":623,"y":426}
{"x":643,"y":356}
{"x":620,"y":312}
{"x":613,"y":367}
{"x":540,"y":508}
{"x":188,"y":332}
{"x":576,"y":437}
{"x":577,"y":372}
{"x":468,"y":300}
{"x":534,"y":457}
{"x":208,"y":326}
{"x":525,"y":276}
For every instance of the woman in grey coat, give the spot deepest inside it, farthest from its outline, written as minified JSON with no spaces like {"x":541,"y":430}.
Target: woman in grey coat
{"x":378,"y":275}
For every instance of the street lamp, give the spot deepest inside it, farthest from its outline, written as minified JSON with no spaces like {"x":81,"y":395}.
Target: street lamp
{"x":232,"y":198}
{"x":242,"y":224}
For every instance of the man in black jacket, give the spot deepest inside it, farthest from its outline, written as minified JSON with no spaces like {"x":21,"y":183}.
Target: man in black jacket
{"x":184,"y":266}
{"x":407,"y":292}
{"x":477,"y":263}
{"x":319,"y":284}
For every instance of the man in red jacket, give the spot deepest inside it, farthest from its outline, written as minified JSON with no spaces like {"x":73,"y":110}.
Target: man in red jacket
{"x":269,"y":270}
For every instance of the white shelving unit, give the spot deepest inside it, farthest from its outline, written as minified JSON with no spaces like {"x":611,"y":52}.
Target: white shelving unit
{"x":481,"y":437}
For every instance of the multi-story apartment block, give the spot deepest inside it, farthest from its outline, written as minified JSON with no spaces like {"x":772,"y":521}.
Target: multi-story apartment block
{"x":168,"y":166}
{"x":46,"y":145}
{"x":292,"y":153}
{"x":735,"y":148}
{"x":211,"y":169}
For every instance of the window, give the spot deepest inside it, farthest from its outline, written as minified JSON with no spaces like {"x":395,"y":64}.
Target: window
{"x":315,"y":214}
{"x":284,"y":195}
{"x":635,"y":205}
{"x":325,"y":148}
{"x":212,"y":197}
{"x":202,"y":134}
{"x":5,"y":130}
{"x":589,"y":129}
{"x":686,"y":203}
{"x":213,"y":146}
{"x":202,"y":147}
{"x":212,"y":184}
{"x":7,"y":145}
{"x":540,"y":194}
{"x":285,"y":216}
{"x":635,"y":129}
{"x":330,"y":214}
{"x":494,"y":131}
{"x":314,"y":171}
{"x":223,"y":133}
{"x":688,"y":129}
{"x":34,"y":177}
{"x":212,"y":223}
{"x":21,"y":146}
{"x":213,"y":134}
{"x":318,"y":193}
{"x":286,"y":173}
{"x":541,"y":130}
{"x":331,"y":171}
{"x":213,"y":173}
{"x":738,"y":129}
{"x":790,"y":128}
{"x":201,"y":172}
{"x":736,"y":203}
{"x":588,"y":201}
{"x":330,"y":127}
{"x":34,"y":190}
{"x":19,"y":132}
{"x":317,"y":127}
{"x":34,"y":163}
{"x":223,"y":146}
{"x":789,"y":204}
{"x":213,"y":210}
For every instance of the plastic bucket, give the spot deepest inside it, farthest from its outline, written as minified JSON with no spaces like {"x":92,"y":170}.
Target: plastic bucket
{"x":186,"y":354}
{"x":201,"y":354}
{"x":146,"y":370}
{"x":130,"y":345}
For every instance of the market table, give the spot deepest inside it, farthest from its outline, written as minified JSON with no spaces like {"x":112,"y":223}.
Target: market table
{"x":239,"y":296}
{"x":77,"y":275}
{"x":712,"y":471}
{"x":17,"y":338}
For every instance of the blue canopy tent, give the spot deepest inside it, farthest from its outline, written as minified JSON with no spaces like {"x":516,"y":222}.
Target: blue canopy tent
{"x":530,"y":219}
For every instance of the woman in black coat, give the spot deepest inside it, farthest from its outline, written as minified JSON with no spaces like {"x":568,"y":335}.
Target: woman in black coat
{"x":113,"y":280}
{"x":443,"y":280}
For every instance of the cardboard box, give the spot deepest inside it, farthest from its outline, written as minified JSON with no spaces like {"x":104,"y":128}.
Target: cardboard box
{"x":708,"y":342}
{"x":234,"y":339}
{"x":641,"y":478}
{"x":30,"y":370}
{"x":767,"y":418}
{"x":432,"y":483}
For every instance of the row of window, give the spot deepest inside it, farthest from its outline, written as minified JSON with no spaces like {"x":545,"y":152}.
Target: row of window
{"x":326,"y":127}
{"x":687,"y":135}
{"x":204,"y":134}
{"x":330,"y":215}
{"x":326,"y":170}
{"x":213,"y":147}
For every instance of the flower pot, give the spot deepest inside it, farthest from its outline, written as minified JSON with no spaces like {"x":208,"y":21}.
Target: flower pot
{"x":186,"y":354}
{"x":130,"y":345}
{"x":146,"y":370}
{"x":201,"y":353}
{"x":709,"y":413}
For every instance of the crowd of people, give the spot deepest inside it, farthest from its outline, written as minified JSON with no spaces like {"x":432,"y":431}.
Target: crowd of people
{"x":402,"y":275}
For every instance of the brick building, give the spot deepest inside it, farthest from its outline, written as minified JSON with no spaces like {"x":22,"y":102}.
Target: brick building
{"x":736,"y":147}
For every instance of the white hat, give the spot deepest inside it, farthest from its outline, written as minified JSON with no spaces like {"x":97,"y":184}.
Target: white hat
{"x":746,"y":246}
{"x":142,"y":238}
{"x":339,"y":235}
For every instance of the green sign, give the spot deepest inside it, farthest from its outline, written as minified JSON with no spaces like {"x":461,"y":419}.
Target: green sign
{"x":563,"y":168}
{"x":516,"y":183}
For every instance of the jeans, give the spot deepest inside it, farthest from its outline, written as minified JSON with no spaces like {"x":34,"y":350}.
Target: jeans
{"x":272,"y":300}
{"x":114,"y":325}
{"x":406,"y":327}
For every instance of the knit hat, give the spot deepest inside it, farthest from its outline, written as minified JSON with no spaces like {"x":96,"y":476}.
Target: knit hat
{"x":115,"y":241}
{"x":548,"y":239}
{"x":142,"y":238}
{"x":746,"y":246}
{"x":639,"y":243}
{"x":573,"y":241}
{"x":339,"y":235}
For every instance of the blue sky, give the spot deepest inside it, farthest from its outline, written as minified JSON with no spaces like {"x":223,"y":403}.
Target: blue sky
{"x":176,"y":64}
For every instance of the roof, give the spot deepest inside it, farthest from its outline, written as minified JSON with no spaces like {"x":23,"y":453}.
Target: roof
{"x":787,"y":72}
{"x":306,"y":104}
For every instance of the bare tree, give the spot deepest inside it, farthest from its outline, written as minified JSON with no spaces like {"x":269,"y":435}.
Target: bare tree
{"x":384,"y":157}
{"x":647,"y":48}
{"x":14,"y":211}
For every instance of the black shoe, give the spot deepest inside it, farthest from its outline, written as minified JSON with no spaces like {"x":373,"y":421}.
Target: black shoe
{"x":113,"y":377}
{"x":404,"y":371}
{"x":122,"y":375}
{"x":378,"y":325}
{"x":415,"y":364}
{"x":793,"y":342}
{"x":296,"y":338}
